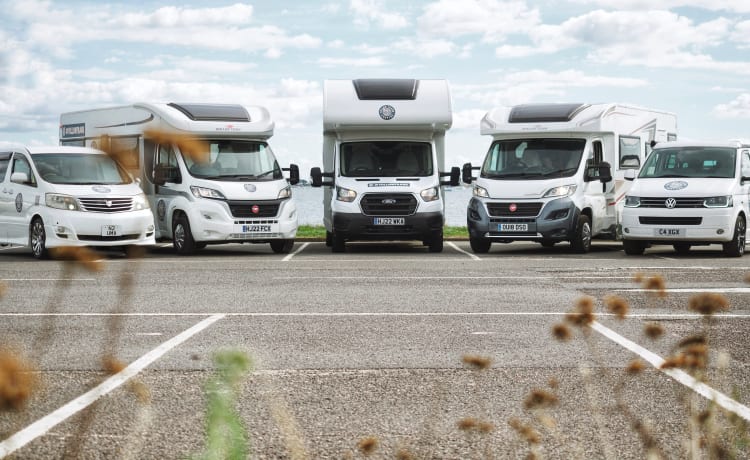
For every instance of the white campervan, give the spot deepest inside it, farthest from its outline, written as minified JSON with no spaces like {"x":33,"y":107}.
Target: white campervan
{"x":69,"y":196}
{"x":689,"y":194}
{"x":384,"y":153}
{"x":236,"y":193}
{"x":555,"y":172}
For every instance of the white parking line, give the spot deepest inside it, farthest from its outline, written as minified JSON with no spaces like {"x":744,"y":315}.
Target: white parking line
{"x":677,"y":290}
{"x":679,"y":375}
{"x":453,"y":245}
{"x":46,"y":423}
{"x":685,"y":316}
{"x":300,"y":249}
{"x":47,"y":279}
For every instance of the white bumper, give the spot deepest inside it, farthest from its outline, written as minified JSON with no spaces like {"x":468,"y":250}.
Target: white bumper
{"x":75,"y":228}
{"x":212,"y":221}
{"x":699,"y":225}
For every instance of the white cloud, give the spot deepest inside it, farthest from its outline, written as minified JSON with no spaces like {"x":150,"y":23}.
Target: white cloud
{"x":375,"y":61}
{"x":737,"y":6}
{"x":367,"y":11}
{"x":741,"y":34}
{"x":468,"y":119}
{"x":738,"y":108}
{"x":428,"y":48}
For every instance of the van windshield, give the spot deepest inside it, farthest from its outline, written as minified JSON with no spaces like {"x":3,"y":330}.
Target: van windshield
{"x":386,"y":159}
{"x":718,"y":162}
{"x":79,"y":169}
{"x":236,"y":160}
{"x":533,"y":159}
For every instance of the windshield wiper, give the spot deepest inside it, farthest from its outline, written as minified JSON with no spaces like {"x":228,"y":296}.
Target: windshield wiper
{"x":502,"y":175}
{"x":668,"y":176}
{"x":264,"y":174}
{"x":561,"y":172}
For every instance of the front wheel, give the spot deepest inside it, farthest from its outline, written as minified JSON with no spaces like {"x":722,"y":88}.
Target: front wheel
{"x":633,"y":247}
{"x":581,"y":242}
{"x":480,"y":245}
{"x":182,"y":237}
{"x":38,"y":239}
{"x":736,"y":247}
{"x":282,"y":246}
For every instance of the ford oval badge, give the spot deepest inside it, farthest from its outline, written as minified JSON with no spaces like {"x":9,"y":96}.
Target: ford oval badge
{"x":676,"y":185}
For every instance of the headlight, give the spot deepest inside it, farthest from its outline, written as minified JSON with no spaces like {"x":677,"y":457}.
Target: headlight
{"x":202,"y":192}
{"x":344,"y":194}
{"x":559,"y":192}
{"x":285,"y":193}
{"x":67,"y":202}
{"x":140,"y":202}
{"x":480,"y":191}
{"x":718,"y":202}
{"x":632,"y":201}
{"x":430,"y":194}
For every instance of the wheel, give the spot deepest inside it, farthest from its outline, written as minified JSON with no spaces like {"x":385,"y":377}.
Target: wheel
{"x":736,"y":247}
{"x":480,"y":245}
{"x":681,"y":248}
{"x":182,"y":237}
{"x":633,"y":247}
{"x":547,"y":243}
{"x":282,"y":246}
{"x":38,"y":239}
{"x":338,"y":244}
{"x":435,"y":243}
{"x":329,"y":239}
{"x":581,"y":242}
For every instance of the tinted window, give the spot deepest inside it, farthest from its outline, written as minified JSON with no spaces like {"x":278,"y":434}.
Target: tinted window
{"x":4,"y":162}
{"x":533,"y":158}
{"x":72,"y":168}
{"x":386,"y":159}
{"x":716,"y":162}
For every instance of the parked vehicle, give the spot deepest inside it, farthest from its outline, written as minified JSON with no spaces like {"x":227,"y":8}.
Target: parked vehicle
{"x":555,"y":172}
{"x":70,"y":196}
{"x":384,"y":156}
{"x":689,"y":194}
{"x":239,"y":194}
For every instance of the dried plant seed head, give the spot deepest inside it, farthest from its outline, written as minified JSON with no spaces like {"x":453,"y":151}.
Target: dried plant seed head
{"x":585,"y":304}
{"x":562,"y":332}
{"x":617,"y":306}
{"x":485,"y":427}
{"x":404,"y":454}
{"x":583,"y":313}
{"x":553,"y":383}
{"x":656,"y":284}
{"x":190,"y":147}
{"x":367,"y":445}
{"x":467,"y":424}
{"x":81,"y":255}
{"x":653,"y":330}
{"x":112,"y":365}
{"x":141,"y":391}
{"x":477,"y":362}
{"x":638,"y":278}
{"x":708,"y":303}
{"x":17,"y":380}
{"x":539,"y":399}
{"x":635,"y":366}
{"x":692,"y":340}
{"x":527,"y":433}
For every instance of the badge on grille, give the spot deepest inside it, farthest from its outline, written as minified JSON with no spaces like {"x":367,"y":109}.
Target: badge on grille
{"x":513,"y":207}
{"x":670,"y":203}
{"x":255,"y":209}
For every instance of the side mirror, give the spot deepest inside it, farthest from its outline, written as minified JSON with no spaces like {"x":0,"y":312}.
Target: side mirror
{"x":605,"y":172}
{"x":293,"y":174}
{"x":466,"y":173}
{"x":19,"y":178}
{"x":317,"y":177}
{"x":455,"y":176}
{"x":630,"y":174}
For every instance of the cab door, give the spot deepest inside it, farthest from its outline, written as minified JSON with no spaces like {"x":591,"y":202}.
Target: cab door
{"x":25,"y":197}
{"x":167,"y":179}
{"x":6,"y":195}
{"x":598,"y":194}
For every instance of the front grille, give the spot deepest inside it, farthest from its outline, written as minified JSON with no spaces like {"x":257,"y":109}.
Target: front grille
{"x":388,"y":204}
{"x":106,"y":204}
{"x":108,"y":238}
{"x":389,"y":229}
{"x":649,"y":202}
{"x":522,"y":209}
{"x":670,"y":220}
{"x":512,"y":221}
{"x":245,"y":208}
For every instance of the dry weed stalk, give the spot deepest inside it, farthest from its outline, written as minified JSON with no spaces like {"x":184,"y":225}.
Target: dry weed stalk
{"x":17,"y":380}
{"x":367,"y":445}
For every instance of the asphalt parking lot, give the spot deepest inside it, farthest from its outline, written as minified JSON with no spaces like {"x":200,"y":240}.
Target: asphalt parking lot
{"x":370,"y":344}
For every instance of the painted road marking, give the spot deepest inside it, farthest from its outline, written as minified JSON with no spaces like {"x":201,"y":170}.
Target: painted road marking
{"x":677,"y":374}
{"x":677,"y":290}
{"x":454,"y":246}
{"x":47,"y":279}
{"x":300,"y":249}
{"x":44,"y":424}
{"x":370,"y":314}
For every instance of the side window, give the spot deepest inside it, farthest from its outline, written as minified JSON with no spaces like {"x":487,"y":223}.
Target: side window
{"x":166,"y":162}
{"x":4,"y":162}
{"x":630,"y":152}
{"x":21,"y":164}
{"x":745,"y":163}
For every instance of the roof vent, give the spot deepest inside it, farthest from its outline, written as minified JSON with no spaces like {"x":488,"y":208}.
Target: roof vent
{"x":540,"y":113}
{"x":386,"y":89}
{"x":213,"y":112}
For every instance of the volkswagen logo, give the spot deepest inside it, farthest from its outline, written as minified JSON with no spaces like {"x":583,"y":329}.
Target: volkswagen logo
{"x":387,"y":112}
{"x":670,"y":203}
{"x":388,"y":201}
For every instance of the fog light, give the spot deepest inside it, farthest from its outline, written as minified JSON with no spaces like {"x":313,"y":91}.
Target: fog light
{"x":720,"y":231}
{"x":60,"y":229}
{"x":150,"y":228}
{"x":626,"y":230}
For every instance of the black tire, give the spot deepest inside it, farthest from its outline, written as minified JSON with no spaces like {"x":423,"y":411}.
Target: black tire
{"x":581,"y":242}
{"x":338,"y":243}
{"x":38,"y":239}
{"x":682,"y":248}
{"x":736,"y":247}
{"x":547,"y":243}
{"x":480,"y":245}
{"x":329,"y":239}
{"x":633,"y":247}
{"x":435,"y":243}
{"x":282,"y":246}
{"x":182,"y":237}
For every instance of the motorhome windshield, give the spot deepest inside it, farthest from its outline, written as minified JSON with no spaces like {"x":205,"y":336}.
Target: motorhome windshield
{"x":79,"y":169}
{"x":236,"y":160}
{"x":715,"y":162}
{"x":386,"y":159}
{"x":533,"y":159}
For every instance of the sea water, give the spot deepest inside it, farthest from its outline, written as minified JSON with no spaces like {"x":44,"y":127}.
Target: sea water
{"x":310,"y":205}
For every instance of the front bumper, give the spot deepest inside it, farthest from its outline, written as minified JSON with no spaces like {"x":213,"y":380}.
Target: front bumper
{"x":555,"y":221}
{"x":75,"y":228}
{"x":679,"y":225}
{"x":213,"y":222}
{"x":420,"y":226}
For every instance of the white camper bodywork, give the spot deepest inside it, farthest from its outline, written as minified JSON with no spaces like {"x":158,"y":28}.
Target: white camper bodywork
{"x":240,"y":195}
{"x":689,"y":194}
{"x":555,"y":172}
{"x":384,"y":153}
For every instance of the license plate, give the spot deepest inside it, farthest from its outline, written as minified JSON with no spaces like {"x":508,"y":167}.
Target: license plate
{"x":256,"y":228}
{"x":111,"y":230}
{"x":512,"y":227}
{"x":669,"y":232}
{"x":389,"y":221}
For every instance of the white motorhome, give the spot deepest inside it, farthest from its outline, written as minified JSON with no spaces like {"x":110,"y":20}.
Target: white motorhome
{"x":689,"y":194}
{"x":70,"y":196}
{"x":384,"y":155}
{"x":236,"y":193}
{"x":555,"y":172}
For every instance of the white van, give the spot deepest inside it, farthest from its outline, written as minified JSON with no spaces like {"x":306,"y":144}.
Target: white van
{"x":70,"y":196}
{"x":689,"y":194}
{"x":556,"y":172}
{"x":239,"y":195}
{"x":384,"y":153}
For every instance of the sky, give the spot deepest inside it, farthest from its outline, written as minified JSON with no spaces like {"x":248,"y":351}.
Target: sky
{"x":690,"y":57}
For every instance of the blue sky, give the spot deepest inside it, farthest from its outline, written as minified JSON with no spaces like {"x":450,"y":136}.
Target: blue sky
{"x":691,"y":57}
